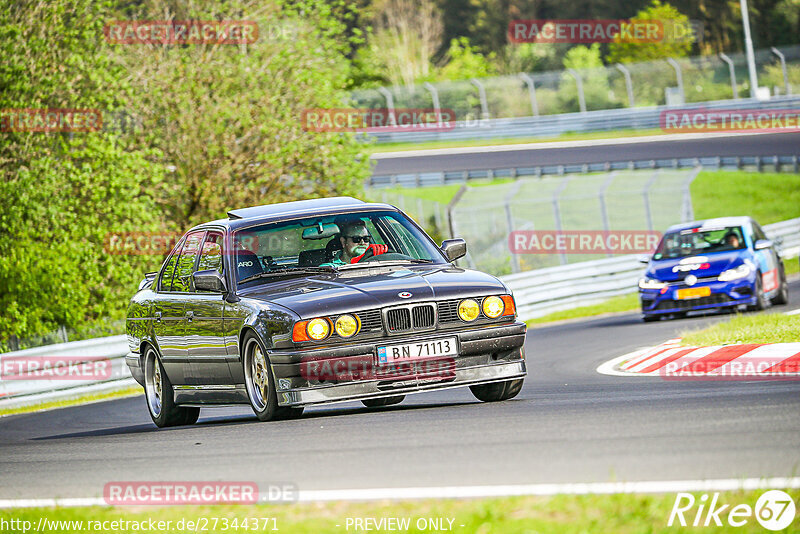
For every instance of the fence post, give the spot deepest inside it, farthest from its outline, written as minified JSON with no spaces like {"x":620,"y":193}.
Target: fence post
{"x":437,"y":109}
{"x":579,"y":83}
{"x":646,"y":194}
{"x":515,"y":267}
{"x":451,"y":206}
{"x":780,"y":55}
{"x":679,"y":76}
{"x":686,"y":208}
{"x":557,"y":213}
{"x":729,"y":61}
{"x":482,"y":95}
{"x":389,"y":104}
{"x":528,"y":79}
{"x":601,"y":195}
{"x":628,"y":83}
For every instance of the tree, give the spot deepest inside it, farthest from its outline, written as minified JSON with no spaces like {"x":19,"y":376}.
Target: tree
{"x":677,"y":38}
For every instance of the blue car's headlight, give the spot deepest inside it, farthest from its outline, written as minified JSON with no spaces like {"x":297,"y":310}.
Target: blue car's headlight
{"x":649,"y":283}
{"x":736,"y":273}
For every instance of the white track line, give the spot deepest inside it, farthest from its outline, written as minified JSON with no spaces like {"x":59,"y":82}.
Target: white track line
{"x":559,"y":144}
{"x":464,"y":492}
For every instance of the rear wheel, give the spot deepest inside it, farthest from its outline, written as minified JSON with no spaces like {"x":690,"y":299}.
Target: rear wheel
{"x":385,"y":401}
{"x":159,"y":395}
{"x":497,"y":391}
{"x":783,"y":293}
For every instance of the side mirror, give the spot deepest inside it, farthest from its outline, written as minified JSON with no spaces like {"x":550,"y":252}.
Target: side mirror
{"x":644,"y":258}
{"x":209,"y":280}
{"x":454,"y":248}
{"x":761,"y":244}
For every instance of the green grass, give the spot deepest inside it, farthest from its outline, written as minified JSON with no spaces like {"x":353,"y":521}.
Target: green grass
{"x":622,"y":303}
{"x":761,"y":328}
{"x":81,"y":399}
{"x":615,"y":134}
{"x":767,"y":197}
{"x":560,"y":514}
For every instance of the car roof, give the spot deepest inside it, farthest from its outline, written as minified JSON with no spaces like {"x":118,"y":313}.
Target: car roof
{"x":244,"y":217}
{"x":719,"y":221}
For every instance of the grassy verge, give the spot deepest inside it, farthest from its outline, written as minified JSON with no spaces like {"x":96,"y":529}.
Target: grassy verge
{"x":619,"y":513}
{"x":622,"y":303}
{"x":615,"y":134}
{"x":81,"y":399}
{"x":761,"y":328}
{"x":767,"y":197}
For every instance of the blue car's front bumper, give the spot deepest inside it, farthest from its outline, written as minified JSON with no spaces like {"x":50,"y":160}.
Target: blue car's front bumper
{"x":723,"y":294}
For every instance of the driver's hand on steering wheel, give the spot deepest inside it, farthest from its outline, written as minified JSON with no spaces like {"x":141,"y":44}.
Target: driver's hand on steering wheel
{"x":375,"y":249}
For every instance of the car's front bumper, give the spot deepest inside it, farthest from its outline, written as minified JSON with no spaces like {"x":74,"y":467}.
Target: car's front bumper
{"x":722,"y":295}
{"x":487,"y":354}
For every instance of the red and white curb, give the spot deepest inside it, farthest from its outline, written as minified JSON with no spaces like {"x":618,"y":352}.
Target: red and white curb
{"x":670,"y":360}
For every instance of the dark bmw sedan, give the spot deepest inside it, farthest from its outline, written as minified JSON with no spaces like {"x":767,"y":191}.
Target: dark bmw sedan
{"x":319,"y":301}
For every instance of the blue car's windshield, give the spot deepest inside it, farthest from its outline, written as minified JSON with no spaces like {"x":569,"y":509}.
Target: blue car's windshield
{"x":330,"y":242}
{"x":699,"y":241}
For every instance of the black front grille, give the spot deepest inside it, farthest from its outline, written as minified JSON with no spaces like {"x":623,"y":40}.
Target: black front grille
{"x":423,"y":316}
{"x":370,"y":320}
{"x":717,"y":298}
{"x":448,"y":311}
{"x":398,"y":319}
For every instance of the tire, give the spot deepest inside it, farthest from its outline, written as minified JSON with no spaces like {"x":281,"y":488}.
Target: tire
{"x":159,"y":395}
{"x":287,"y":413}
{"x":650,"y":318}
{"x":761,"y":301}
{"x":259,"y":380}
{"x":783,"y":293}
{"x":497,"y":391}
{"x":385,"y":401}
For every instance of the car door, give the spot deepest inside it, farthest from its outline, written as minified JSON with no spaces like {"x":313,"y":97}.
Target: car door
{"x":768,"y":260}
{"x":204,"y":316}
{"x":170,"y":310}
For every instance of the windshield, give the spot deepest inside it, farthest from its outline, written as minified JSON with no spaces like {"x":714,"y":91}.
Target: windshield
{"x":699,"y":241}
{"x":328,"y":243}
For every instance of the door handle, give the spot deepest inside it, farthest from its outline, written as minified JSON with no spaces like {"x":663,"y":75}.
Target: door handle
{"x":158,"y":316}
{"x":190,"y":315}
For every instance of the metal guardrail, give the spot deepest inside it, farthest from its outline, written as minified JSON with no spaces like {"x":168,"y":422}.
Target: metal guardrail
{"x":552,"y":289}
{"x":589,"y":121}
{"x":536,"y":293}
{"x":21,"y":391}
{"x":778,"y":163}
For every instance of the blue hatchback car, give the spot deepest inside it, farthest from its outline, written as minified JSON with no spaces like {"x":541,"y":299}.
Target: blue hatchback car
{"x":717,"y":263}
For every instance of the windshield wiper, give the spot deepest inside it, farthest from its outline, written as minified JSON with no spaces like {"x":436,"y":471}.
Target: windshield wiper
{"x":386,"y":263}
{"x":288,"y":271}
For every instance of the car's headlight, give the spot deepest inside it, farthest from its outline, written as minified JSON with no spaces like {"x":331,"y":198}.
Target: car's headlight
{"x":736,"y":273}
{"x":318,"y":329}
{"x":493,"y":307}
{"x":346,"y":326}
{"x":649,"y":283}
{"x":468,"y":310}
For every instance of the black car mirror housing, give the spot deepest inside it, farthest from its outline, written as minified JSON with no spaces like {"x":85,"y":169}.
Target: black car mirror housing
{"x":454,"y":248}
{"x":209,"y":280}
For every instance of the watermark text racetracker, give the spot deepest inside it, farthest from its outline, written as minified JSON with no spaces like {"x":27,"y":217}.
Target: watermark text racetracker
{"x":55,"y":368}
{"x":377,"y":119}
{"x":602,"y":31}
{"x":583,"y":241}
{"x":724,"y":120}
{"x":195,"y":492}
{"x":181,"y":32}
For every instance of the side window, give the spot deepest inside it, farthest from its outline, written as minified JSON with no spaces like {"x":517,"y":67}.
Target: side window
{"x":211,"y":255}
{"x":759,"y":232}
{"x":185,"y":267}
{"x":165,"y":283}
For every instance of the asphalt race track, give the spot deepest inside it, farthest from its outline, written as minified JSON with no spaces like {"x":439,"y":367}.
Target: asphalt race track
{"x":577,"y":152}
{"x":569,"y":424}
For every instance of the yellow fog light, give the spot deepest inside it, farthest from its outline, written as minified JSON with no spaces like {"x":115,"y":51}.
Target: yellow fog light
{"x":493,"y":307}
{"x":346,"y":326}
{"x":468,"y":310}
{"x":318,"y":329}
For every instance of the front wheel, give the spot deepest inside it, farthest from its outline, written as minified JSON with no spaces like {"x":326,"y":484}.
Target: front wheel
{"x":258,"y":380}
{"x":159,"y":396}
{"x":783,"y":293}
{"x":497,"y":391}
{"x":761,"y":301}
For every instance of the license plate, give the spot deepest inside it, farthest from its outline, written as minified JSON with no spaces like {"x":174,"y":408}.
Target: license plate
{"x":694,"y":292}
{"x":417,"y":351}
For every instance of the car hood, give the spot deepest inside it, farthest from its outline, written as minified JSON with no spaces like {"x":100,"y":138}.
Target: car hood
{"x":361,"y":289}
{"x":702,"y":266}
